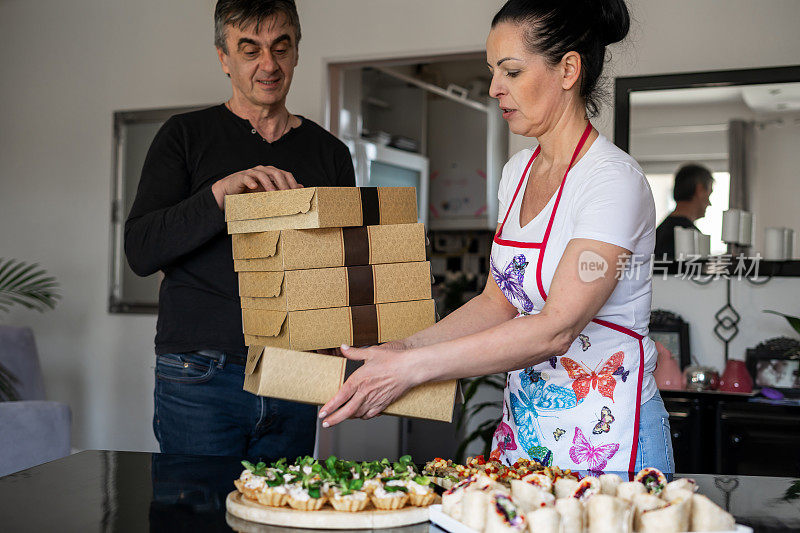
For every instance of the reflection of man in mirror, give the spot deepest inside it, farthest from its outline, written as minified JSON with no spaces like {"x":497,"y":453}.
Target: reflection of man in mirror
{"x":177,"y":226}
{"x":693,"y":187}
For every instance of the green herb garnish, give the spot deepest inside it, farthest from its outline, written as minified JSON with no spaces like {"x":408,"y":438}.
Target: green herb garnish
{"x":259,"y":469}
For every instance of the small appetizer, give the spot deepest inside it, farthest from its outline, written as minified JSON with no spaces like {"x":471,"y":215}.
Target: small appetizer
{"x":628,"y":489}
{"x":564,"y":487}
{"x":542,"y":481}
{"x":252,"y":480}
{"x":708,"y":516}
{"x":347,"y":495}
{"x":451,"y":499}
{"x":420,"y":491}
{"x":609,"y":514}
{"x":678,"y":488}
{"x":504,"y":515}
{"x":653,"y":480}
{"x":587,"y":487}
{"x":674,"y":517}
{"x":642,"y":503}
{"x":545,"y":520}
{"x":391,"y":496}
{"x":573,"y":516}
{"x":474,"y":506}
{"x":609,"y":484}
{"x":530,"y":497}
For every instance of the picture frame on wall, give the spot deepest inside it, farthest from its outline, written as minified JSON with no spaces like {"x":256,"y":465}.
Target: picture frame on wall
{"x":775,"y":363}
{"x":672,"y":331}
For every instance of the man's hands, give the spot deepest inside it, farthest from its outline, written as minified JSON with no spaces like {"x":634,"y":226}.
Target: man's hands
{"x":255,"y":179}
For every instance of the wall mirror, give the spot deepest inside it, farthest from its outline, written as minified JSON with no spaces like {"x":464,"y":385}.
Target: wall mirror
{"x":133,"y":133}
{"x":744,"y":125}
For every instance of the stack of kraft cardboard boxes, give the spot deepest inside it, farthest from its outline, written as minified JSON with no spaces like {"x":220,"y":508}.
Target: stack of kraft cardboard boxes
{"x":324,"y":266}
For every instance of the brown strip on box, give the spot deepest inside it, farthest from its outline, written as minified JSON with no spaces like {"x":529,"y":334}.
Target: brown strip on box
{"x":320,"y":207}
{"x":330,"y":328}
{"x":328,"y":247}
{"x":315,"y":379}
{"x":319,"y":288}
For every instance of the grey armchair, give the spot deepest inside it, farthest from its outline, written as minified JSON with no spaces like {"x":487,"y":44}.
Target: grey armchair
{"x":32,"y":431}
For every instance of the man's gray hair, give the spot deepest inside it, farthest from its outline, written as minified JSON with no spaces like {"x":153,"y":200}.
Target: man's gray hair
{"x":244,"y":13}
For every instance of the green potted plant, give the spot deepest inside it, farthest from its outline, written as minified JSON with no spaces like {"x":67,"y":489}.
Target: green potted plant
{"x":30,"y":286}
{"x":485,"y":431}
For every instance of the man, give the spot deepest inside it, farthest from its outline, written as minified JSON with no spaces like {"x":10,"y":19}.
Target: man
{"x":693,"y":187}
{"x":177,"y":226}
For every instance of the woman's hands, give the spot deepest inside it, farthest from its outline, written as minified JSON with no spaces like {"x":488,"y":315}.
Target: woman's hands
{"x":385,"y":376}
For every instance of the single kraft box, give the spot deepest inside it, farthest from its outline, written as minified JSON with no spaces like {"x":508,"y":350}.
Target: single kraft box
{"x":274,"y":251}
{"x":315,"y":379}
{"x":320,"y":207}
{"x":318,"y":288}
{"x":317,"y":329}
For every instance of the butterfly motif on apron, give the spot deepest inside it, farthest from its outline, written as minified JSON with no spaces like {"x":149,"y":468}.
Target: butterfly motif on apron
{"x":577,"y":411}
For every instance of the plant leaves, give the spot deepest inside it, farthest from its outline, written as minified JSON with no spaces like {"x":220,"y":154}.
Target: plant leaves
{"x":8,"y":392}
{"x":26,"y":285}
{"x":792,"y":320}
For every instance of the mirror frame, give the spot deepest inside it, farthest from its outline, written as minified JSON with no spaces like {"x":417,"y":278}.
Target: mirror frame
{"x":623,"y":87}
{"x":118,"y":303}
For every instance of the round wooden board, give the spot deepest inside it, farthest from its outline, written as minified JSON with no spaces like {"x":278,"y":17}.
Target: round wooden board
{"x":325,"y":518}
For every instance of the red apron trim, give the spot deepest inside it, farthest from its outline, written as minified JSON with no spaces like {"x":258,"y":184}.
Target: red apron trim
{"x":519,"y":185}
{"x":635,"y":445}
{"x":543,"y":246}
{"x":619,"y":328}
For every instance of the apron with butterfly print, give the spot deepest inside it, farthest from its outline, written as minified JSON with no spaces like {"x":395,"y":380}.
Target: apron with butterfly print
{"x":579,"y":410}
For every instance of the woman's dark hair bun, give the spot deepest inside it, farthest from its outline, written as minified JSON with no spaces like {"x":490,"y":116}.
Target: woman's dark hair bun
{"x":613,"y":20}
{"x":551,"y":28}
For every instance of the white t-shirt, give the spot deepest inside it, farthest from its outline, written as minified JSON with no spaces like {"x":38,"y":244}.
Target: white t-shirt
{"x":606,"y":198}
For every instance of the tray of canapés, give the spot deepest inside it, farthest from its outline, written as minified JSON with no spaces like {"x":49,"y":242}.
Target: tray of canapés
{"x":491,"y":497}
{"x":333,"y":494}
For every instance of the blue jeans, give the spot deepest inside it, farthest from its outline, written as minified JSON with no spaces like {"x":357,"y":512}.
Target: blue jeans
{"x":655,"y":437}
{"x":201,"y":409}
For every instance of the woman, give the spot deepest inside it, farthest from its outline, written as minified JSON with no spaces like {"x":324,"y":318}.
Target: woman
{"x":571,"y":334}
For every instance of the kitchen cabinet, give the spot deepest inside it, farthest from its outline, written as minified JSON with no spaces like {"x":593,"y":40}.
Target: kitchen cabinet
{"x":758,"y":439}
{"x":718,"y":433}
{"x":439,"y":109}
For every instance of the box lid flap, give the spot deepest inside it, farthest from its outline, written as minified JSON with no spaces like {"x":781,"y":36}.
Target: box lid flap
{"x":262,"y":284}
{"x":263,"y":323}
{"x":253,"y":356}
{"x":254,"y":205}
{"x":255,"y":245}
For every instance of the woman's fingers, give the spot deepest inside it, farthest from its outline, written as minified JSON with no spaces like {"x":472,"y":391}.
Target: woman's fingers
{"x":349,"y":410}
{"x":346,"y":391}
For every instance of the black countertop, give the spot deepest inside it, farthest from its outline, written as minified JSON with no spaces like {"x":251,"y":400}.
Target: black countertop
{"x":132,"y":491}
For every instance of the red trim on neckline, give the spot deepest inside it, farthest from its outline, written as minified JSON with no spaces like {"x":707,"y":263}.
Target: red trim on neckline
{"x":497,"y":238}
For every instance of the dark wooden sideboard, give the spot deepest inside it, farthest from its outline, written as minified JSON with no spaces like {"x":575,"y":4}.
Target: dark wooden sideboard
{"x":718,"y":433}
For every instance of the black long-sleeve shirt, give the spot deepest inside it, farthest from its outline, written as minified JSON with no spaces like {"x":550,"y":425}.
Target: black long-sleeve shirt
{"x":176,"y":226}
{"x":665,"y":235}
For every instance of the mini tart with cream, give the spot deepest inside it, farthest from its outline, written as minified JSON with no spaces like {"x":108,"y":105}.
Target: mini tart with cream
{"x":391,"y":496}
{"x":352,"y":502}
{"x":252,"y":479}
{"x":307,"y":498}
{"x":420,"y":491}
{"x":273,"y":496}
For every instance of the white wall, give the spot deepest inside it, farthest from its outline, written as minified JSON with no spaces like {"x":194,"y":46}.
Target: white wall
{"x":68,"y":65}
{"x":775,"y":178}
